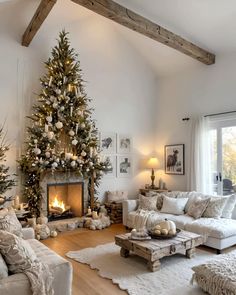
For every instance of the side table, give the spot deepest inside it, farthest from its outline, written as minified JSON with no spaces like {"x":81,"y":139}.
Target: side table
{"x":143,"y":191}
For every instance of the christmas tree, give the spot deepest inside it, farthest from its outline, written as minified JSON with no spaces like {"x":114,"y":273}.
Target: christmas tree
{"x":6,"y":183}
{"x":62,"y":136}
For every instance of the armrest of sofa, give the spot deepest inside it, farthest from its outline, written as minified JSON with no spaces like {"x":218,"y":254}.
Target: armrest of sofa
{"x":28,"y":233}
{"x":129,"y":206}
{"x":17,"y":284}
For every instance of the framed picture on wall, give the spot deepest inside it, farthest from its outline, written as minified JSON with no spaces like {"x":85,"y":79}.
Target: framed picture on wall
{"x":174,"y":159}
{"x":108,"y":143}
{"x":111,"y":172}
{"x":124,"y":166}
{"x":124,"y":144}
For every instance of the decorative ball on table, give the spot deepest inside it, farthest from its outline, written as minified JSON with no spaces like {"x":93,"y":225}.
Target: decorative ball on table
{"x":53,"y":233}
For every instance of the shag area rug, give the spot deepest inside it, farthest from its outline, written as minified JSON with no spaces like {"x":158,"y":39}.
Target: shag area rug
{"x":131,"y":274}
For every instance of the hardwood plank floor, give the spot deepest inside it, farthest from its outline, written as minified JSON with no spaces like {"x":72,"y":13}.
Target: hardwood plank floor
{"x":85,"y":280}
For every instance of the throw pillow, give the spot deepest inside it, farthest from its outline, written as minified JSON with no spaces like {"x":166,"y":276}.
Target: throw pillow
{"x":148,"y":203}
{"x":21,"y":258}
{"x":174,"y":206}
{"x":117,"y":196}
{"x":159,"y":198}
{"x":3,"y":268}
{"x":229,"y":207}
{"x":9,"y":222}
{"x":197,"y":207}
{"x":215,"y":207}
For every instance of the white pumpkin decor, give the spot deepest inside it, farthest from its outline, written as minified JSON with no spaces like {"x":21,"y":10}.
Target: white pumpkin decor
{"x":53,"y":233}
{"x":165,"y":227}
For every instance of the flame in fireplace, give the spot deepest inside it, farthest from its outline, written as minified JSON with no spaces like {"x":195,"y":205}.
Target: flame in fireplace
{"x":58,"y":204}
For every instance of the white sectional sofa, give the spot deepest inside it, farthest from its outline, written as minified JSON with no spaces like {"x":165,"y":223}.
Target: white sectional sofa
{"x":220,"y":233}
{"x":18,"y":284}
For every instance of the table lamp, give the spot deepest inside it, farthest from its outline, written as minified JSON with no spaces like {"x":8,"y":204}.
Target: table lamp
{"x":152,"y":163}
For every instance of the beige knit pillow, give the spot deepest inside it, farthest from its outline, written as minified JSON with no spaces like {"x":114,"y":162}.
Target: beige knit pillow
{"x":215,"y":207}
{"x":197,"y":207}
{"x":9,"y":222}
{"x":148,"y":203}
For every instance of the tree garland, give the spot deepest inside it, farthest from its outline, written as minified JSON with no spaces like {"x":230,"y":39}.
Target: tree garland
{"x":62,"y":136}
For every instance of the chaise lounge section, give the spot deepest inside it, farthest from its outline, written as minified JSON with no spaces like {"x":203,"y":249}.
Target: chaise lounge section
{"x":220,"y":233}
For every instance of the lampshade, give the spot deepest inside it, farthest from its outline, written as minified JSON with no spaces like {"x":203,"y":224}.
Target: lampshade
{"x":152,"y":163}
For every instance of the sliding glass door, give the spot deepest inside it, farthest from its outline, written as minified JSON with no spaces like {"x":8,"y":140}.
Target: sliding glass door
{"x":223,"y":155}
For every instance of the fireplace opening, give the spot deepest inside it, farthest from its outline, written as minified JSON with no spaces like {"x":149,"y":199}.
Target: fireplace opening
{"x":65,"y":200}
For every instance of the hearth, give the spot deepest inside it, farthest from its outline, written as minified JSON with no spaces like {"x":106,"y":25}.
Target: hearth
{"x":65,"y":200}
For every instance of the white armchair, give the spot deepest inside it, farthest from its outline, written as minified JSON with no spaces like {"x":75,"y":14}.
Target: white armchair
{"x":129,"y":206}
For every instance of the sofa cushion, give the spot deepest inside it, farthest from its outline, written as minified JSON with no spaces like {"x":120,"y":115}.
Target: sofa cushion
{"x":229,"y":207}
{"x":174,"y":206}
{"x":197,"y":207}
{"x":215,"y":207}
{"x":9,"y":222}
{"x":148,"y":203}
{"x":217,"y":276}
{"x":216,"y":228}
{"x":3,"y":268}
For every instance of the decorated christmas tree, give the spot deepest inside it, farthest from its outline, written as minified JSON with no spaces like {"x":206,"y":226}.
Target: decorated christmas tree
{"x":62,"y":136}
{"x":6,"y":182}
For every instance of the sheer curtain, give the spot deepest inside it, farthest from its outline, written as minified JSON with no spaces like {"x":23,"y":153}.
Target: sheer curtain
{"x":200,"y":176}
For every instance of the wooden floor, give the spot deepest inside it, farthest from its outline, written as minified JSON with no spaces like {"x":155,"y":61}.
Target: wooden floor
{"x":85,"y":280}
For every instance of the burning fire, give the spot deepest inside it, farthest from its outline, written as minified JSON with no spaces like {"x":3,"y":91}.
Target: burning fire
{"x":58,"y":204}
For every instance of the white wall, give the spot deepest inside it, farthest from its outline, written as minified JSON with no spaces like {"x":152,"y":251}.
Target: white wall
{"x":121,"y":84}
{"x":205,"y":90}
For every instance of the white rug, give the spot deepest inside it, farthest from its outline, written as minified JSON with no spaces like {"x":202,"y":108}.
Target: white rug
{"x":131,"y":274}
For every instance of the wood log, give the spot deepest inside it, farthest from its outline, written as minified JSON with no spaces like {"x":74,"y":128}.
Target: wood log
{"x":140,"y":24}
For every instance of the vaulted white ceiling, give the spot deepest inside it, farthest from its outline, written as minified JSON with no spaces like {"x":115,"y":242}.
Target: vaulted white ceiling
{"x":211,"y":24}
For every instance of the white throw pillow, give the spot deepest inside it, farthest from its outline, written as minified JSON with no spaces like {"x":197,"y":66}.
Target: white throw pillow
{"x":174,"y":206}
{"x":3,"y":268}
{"x":229,"y":207}
{"x":9,"y":222}
{"x":117,"y":196}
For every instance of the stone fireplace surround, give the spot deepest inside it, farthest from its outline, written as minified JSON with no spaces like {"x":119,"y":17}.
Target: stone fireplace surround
{"x":62,"y":177}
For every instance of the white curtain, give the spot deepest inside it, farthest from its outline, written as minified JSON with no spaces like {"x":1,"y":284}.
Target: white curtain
{"x":200,"y":176}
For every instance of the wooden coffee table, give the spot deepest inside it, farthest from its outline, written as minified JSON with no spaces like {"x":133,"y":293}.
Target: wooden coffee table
{"x":155,"y":249}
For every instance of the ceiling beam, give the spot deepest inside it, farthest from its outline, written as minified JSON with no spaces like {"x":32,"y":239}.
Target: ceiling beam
{"x":138,"y":23}
{"x":39,"y":17}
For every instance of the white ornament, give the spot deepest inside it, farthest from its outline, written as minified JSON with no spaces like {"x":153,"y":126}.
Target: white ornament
{"x":48,"y":154}
{"x":71,"y":133}
{"x":52,"y":98}
{"x":59,"y":125}
{"x":90,"y":164}
{"x":62,"y":108}
{"x":50,"y":135}
{"x":73,"y":163}
{"x":58,"y":91}
{"x":57,"y":160}
{"x":87,"y":169}
{"x":35,"y":141}
{"x":82,"y":125}
{"x":74,"y":141}
{"x":83,"y":154}
{"x":37,"y":151}
{"x":54,"y":165}
{"x":55,"y":105}
{"x":49,"y":119}
{"x":79,"y":112}
{"x":46,"y":163}
{"x":83,"y":145}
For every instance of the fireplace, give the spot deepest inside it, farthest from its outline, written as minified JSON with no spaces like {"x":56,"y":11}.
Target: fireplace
{"x":65,"y":200}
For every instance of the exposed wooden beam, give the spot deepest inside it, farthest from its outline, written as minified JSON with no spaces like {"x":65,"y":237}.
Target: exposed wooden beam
{"x":138,"y":23}
{"x":39,"y":17}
